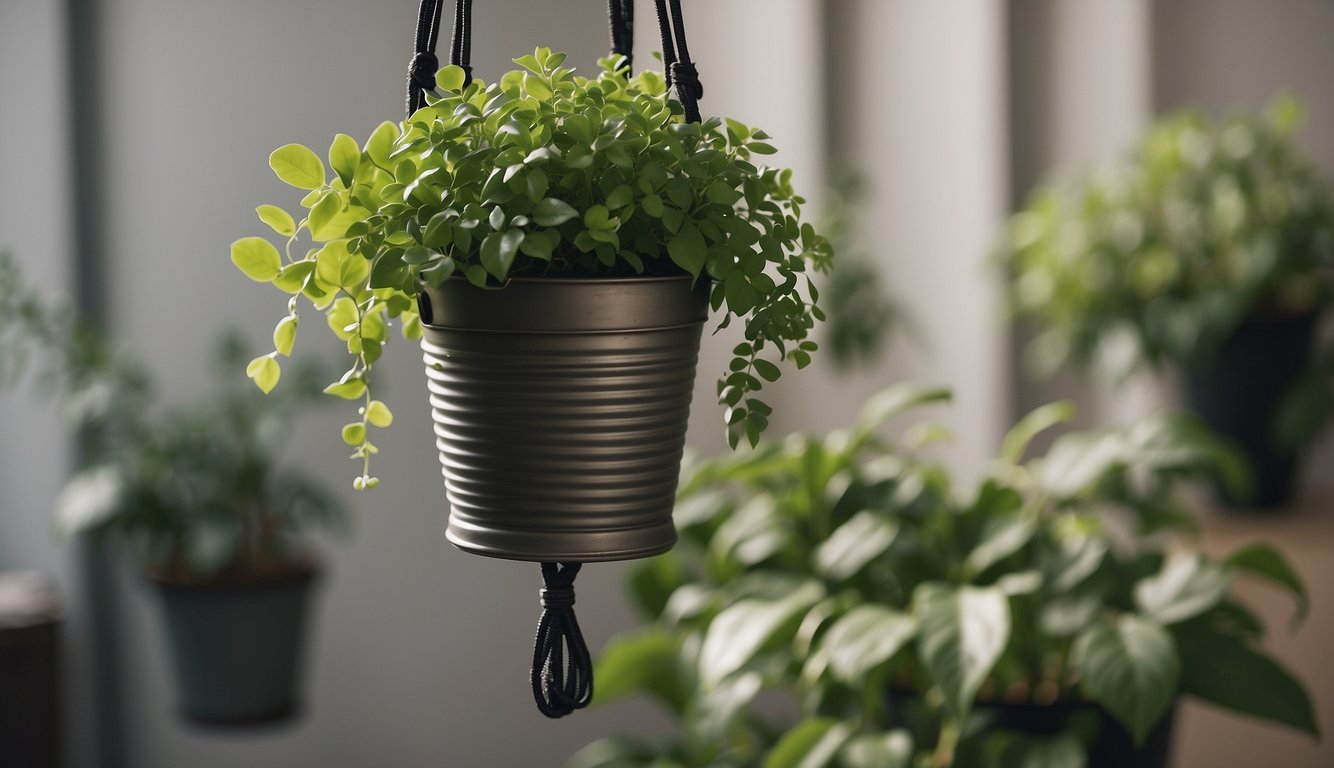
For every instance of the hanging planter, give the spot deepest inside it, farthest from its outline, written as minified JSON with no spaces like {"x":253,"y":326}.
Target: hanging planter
{"x":556,"y":242}
{"x":586,"y":469}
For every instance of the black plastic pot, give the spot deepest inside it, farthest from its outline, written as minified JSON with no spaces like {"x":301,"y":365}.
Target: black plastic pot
{"x":1110,"y":745}
{"x":560,"y":409}
{"x":236,"y":648}
{"x":1238,"y":391}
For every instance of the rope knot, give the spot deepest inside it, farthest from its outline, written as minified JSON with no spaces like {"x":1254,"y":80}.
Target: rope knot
{"x":422,"y":69}
{"x":686,"y":78}
{"x":562,"y":675}
{"x":557,"y":598}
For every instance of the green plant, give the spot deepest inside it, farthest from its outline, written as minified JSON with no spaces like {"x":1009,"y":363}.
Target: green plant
{"x":1161,"y":258}
{"x":836,"y":569}
{"x":542,"y":173}
{"x":192,"y":492}
{"x":862,"y":315}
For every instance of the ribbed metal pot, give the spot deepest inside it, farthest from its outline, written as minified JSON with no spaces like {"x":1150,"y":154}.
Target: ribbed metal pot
{"x":560,"y":410}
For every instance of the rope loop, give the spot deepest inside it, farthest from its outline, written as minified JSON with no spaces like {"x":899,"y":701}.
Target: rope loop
{"x":562,"y":674}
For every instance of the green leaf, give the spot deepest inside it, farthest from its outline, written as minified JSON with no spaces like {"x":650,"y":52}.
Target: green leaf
{"x":810,"y":744}
{"x":767,"y":370}
{"x":748,"y":626}
{"x":1002,"y":536}
{"x":1130,"y":666}
{"x":450,"y":78}
{"x":961,"y":633}
{"x":378,"y":414}
{"x":1023,"y":751}
{"x":284,"y":335}
{"x":1223,"y":670}
{"x":688,"y":250}
{"x":354,"y":433}
{"x":498,"y":250}
{"x":877,"y":750}
{"x":1187,"y":586}
{"x":1263,"y":560}
{"x":344,"y":157}
{"x":863,"y":538}
{"x":257,"y":258}
{"x":864,"y":638}
{"x":643,"y":661}
{"x":348,"y":389}
{"x":298,"y":165}
{"x":277,"y":219}
{"x":551,"y":212}
{"x":265,"y":372}
{"x":380,"y":146}
{"x":293,"y":277}
{"x":1041,"y":419}
{"x":891,"y":402}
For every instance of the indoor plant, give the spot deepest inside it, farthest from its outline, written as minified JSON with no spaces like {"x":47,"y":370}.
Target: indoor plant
{"x":1211,"y":248}
{"x":485,"y":204}
{"x":1057,"y":610}
{"x":193,"y":496}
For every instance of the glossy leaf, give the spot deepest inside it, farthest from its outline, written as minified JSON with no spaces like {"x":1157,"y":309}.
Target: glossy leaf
{"x":298,"y":165}
{"x":1186,"y":587}
{"x":1223,"y":670}
{"x":810,"y":744}
{"x":864,"y":638}
{"x":257,"y":258}
{"x":961,"y":633}
{"x":1129,"y":665}
{"x":864,"y":537}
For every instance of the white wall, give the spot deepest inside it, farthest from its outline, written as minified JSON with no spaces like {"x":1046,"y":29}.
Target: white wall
{"x":918,"y":96}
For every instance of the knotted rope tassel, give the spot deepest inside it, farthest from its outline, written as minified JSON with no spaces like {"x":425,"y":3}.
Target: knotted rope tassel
{"x":560,"y":685}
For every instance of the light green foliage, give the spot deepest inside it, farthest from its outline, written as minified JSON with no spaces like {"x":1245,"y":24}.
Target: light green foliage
{"x":1160,"y":258}
{"x":834,"y":569}
{"x":549,"y":173}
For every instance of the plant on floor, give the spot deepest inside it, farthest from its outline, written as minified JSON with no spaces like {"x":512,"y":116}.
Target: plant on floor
{"x":1161,"y":259}
{"x":543,"y":173}
{"x":901,"y":613}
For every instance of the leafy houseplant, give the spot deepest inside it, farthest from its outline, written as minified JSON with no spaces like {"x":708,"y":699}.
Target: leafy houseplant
{"x":194,"y":496}
{"x":543,"y":174}
{"x":1053,"y":614}
{"x":1211,"y":248}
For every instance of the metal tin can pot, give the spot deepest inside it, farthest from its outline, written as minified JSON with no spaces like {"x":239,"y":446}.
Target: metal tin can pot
{"x":560,"y":409}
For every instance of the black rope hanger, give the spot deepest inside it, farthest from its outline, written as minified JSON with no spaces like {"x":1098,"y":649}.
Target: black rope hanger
{"x":562,"y":671}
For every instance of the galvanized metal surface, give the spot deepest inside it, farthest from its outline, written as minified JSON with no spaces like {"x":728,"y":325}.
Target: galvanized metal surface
{"x":560,"y":410}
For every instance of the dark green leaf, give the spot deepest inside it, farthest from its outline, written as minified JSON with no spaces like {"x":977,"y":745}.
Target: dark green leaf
{"x":961,"y":633}
{"x":1130,"y":666}
{"x":1223,"y":670}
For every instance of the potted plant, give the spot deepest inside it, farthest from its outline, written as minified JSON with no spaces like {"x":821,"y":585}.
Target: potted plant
{"x":195,"y":497}
{"x":1056,"y":611}
{"x":556,"y":241}
{"x":1211,"y":248}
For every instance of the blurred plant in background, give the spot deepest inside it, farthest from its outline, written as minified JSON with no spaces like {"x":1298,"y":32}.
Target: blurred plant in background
{"x":1163,"y":258}
{"x":192,"y":492}
{"x":861,"y":316}
{"x":902,"y":616}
